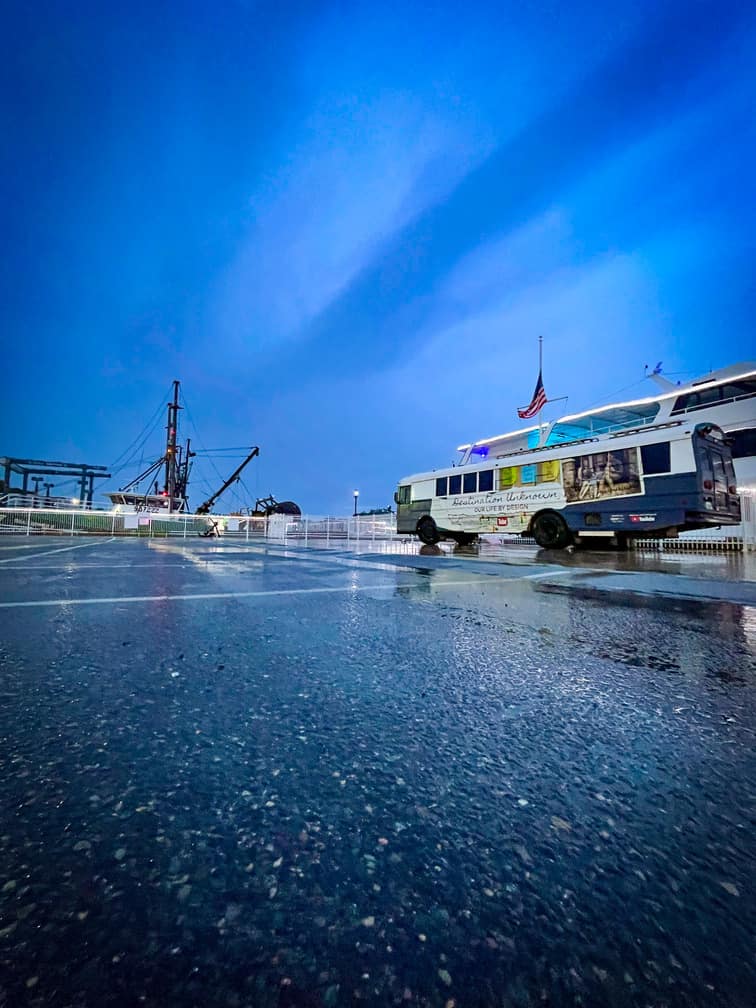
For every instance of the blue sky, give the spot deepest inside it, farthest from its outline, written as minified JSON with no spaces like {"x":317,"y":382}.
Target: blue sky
{"x":343,"y":227}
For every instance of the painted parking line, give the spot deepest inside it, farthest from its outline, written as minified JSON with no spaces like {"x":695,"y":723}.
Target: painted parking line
{"x":204,"y":596}
{"x":23,"y":547}
{"x":69,"y":564}
{"x":63,"y":549}
{"x":557,"y":572}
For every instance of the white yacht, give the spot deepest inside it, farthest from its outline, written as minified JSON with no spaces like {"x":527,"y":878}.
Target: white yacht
{"x":726,"y":397}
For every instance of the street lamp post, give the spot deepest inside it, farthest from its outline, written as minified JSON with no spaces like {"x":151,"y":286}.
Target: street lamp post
{"x":356,"y":495}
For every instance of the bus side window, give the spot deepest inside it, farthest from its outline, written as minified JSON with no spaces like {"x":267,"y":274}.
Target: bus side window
{"x":470,"y":482}
{"x":404,"y":495}
{"x":442,"y":486}
{"x":485,"y":480}
{"x":655,"y":458}
{"x":455,"y":484}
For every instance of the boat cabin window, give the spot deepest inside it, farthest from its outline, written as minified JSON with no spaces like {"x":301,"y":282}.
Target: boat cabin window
{"x":743,"y":442}
{"x":604,"y":421}
{"x":743,"y":388}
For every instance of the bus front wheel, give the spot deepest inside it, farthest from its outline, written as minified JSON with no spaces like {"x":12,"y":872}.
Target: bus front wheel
{"x":550,"y":531}
{"x":428,"y":531}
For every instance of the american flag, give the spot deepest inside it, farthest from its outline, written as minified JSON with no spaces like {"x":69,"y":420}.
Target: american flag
{"x":537,"y":403}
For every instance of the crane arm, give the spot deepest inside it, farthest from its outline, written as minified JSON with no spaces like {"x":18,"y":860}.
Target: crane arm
{"x":205,"y":508}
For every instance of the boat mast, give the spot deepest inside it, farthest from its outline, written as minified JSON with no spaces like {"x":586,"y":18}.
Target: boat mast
{"x":183,"y":467}
{"x":170,"y":447}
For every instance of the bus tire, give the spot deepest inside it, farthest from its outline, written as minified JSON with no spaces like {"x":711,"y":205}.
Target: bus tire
{"x":550,"y":531}
{"x":427,"y":531}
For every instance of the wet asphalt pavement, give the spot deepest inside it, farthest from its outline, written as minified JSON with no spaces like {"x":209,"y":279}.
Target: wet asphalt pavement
{"x":242,"y":775}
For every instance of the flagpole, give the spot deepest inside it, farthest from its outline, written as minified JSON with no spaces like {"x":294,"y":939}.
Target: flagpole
{"x":540,"y":376}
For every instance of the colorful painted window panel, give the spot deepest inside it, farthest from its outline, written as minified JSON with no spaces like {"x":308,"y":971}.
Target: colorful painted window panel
{"x":548,"y":472}
{"x":508,"y":476}
{"x":528,"y":474}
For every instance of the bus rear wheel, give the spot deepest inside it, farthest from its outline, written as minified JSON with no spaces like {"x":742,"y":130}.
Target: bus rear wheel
{"x":463,"y":538}
{"x":427,"y":531}
{"x":550,"y":531}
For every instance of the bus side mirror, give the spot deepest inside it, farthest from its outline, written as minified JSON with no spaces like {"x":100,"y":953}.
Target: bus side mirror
{"x":396,"y":497}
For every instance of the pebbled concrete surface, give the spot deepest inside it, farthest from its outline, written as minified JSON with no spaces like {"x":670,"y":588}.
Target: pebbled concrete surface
{"x":256,"y":775}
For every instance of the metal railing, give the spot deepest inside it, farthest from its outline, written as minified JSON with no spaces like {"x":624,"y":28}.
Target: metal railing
{"x":727,"y":539}
{"x":282,"y":528}
{"x":318,"y":529}
{"x":727,"y":544}
{"x":311,"y":528}
{"x":32,"y":500}
{"x":52,"y":521}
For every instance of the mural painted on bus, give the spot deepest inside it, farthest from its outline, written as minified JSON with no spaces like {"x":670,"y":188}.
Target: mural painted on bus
{"x":602,"y":475}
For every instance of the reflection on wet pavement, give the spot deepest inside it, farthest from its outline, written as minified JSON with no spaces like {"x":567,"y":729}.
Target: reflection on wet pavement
{"x":426,"y":785}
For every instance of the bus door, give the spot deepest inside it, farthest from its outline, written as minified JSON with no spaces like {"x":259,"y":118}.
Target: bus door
{"x":403,"y":501}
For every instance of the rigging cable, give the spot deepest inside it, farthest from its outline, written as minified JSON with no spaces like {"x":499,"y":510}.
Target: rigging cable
{"x":196,"y":432}
{"x":246,"y":489}
{"x":613,"y":395}
{"x":143,"y":435}
{"x":210,"y":454}
{"x":137,"y":444}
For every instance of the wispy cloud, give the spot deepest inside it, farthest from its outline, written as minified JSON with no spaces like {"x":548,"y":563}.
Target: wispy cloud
{"x":389,"y":303}
{"x":354,"y":178}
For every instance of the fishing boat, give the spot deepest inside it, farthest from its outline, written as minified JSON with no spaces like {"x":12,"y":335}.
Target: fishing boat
{"x":176,"y":463}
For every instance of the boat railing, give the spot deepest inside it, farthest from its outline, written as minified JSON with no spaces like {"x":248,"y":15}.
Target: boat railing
{"x":716,"y":404}
{"x":19,"y":499}
{"x":603,"y":430}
